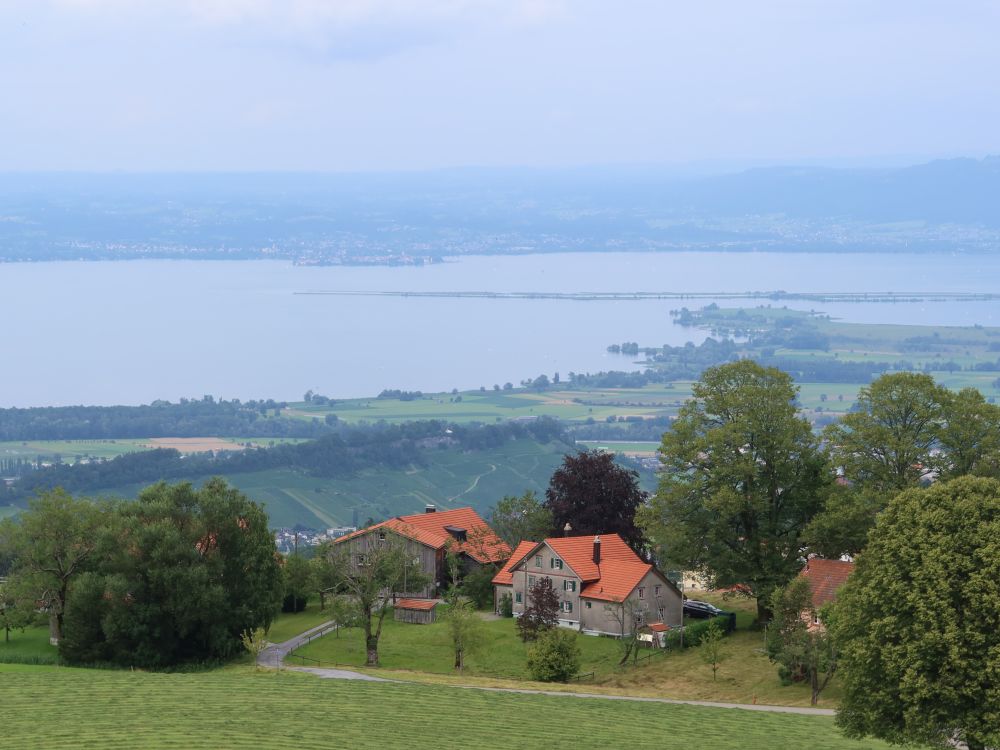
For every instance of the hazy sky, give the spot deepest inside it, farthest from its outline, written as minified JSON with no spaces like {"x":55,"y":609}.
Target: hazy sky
{"x":388,"y":84}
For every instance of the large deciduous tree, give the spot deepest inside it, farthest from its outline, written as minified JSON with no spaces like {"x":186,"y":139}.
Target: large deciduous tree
{"x":516,"y":519}
{"x":742,"y":476}
{"x":918,"y":622}
{"x":888,"y":443}
{"x":51,"y":545}
{"x":595,"y":495}
{"x":372,"y":578}
{"x":180,"y":574}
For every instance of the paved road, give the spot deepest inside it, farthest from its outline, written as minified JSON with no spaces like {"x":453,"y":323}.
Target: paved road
{"x":274,"y":656}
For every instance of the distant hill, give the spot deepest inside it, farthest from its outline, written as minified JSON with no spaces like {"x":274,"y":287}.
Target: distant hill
{"x":413,"y":217}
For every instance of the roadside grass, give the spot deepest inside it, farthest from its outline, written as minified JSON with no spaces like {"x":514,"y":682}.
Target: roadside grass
{"x":30,"y":646}
{"x":228,"y":709}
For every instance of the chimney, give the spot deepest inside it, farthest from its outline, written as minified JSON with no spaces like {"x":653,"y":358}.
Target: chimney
{"x":567,"y":529}
{"x":429,"y":508}
{"x":597,"y":550}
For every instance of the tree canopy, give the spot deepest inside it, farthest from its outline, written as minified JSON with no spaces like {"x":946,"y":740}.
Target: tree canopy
{"x":742,"y":477}
{"x":918,"y":622}
{"x":516,"y":519}
{"x":178,"y":576}
{"x":595,"y":495}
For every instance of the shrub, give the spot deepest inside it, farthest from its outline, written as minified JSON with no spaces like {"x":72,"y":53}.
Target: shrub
{"x":506,"y":606}
{"x":554,"y":656}
{"x":694,"y":632}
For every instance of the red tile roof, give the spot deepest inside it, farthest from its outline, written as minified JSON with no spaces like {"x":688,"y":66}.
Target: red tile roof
{"x":506,"y":575}
{"x":422,"y":605}
{"x":825,"y":577}
{"x":481,"y":543}
{"x":658,"y":627}
{"x":619,"y":572}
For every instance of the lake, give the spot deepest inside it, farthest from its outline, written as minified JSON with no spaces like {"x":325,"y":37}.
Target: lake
{"x":130,"y":332}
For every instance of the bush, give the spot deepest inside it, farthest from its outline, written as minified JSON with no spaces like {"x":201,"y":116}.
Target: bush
{"x":694,"y":632}
{"x":554,"y":656}
{"x":506,"y":606}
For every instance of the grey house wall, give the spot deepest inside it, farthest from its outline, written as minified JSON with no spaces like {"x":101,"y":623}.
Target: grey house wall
{"x":663,"y":605}
{"x":430,"y":560}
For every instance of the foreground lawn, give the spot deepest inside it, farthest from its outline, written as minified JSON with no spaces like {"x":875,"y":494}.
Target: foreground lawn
{"x":427,"y":648}
{"x":106,"y":709}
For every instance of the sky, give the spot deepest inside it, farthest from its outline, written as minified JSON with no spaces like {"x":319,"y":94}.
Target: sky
{"x":384,"y":85}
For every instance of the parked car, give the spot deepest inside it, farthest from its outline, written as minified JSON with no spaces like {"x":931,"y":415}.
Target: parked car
{"x":700,"y":610}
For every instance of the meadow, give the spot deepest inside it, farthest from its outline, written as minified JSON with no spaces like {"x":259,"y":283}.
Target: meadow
{"x":58,"y":707}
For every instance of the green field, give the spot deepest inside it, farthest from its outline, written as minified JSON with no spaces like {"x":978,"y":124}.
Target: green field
{"x":491,"y":406}
{"x":450,"y":479}
{"x":71,"y":451}
{"x":621,"y":446}
{"x":30,"y":646}
{"x":427,"y":648}
{"x":68,"y":708}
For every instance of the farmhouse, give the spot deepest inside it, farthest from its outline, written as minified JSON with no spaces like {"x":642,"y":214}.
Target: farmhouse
{"x":429,"y":536}
{"x":603,"y":586}
{"x":825,"y":577}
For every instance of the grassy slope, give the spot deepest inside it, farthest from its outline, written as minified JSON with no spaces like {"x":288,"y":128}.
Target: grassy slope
{"x":451,"y":479}
{"x":243,"y":709}
{"x":427,"y":648}
{"x":29,"y":646}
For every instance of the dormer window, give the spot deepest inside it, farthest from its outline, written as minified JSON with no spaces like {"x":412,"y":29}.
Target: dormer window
{"x":457,"y":532}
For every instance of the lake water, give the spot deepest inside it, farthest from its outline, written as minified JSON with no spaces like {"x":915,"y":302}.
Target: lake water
{"x":134,"y":331}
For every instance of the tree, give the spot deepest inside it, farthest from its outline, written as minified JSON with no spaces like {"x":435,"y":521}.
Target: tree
{"x":465,"y":627}
{"x":917,"y":622}
{"x":627,"y":614}
{"x":887,"y":444}
{"x":555,"y":656}
{"x":742,"y":477}
{"x":803,"y":652}
{"x":254,"y":642}
{"x":596,"y":496}
{"x":541,"y":612}
{"x":516,"y":519}
{"x":298,"y":583}
{"x":712,"y":648}
{"x":52,"y":543}
{"x":344,"y":613}
{"x":477,"y":585}
{"x":969,"y":440}
{"x":17,"y":611}
{"x":372,"y":580}
{"x":325,"y":576}
{"x":178,"y":576}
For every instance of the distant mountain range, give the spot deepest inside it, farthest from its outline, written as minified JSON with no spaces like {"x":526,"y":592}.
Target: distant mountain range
{"x":345,"y":218}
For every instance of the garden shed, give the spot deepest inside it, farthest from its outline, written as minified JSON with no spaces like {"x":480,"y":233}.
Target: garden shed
{"x":416,"y":611}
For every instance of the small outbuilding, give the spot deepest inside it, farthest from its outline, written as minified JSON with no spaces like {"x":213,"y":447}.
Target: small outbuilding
{"x":415,"y":611}
{"x":654,"y":634}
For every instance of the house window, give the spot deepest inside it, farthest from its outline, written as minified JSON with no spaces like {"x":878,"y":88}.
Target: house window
{"x":656,"y":591}
{"x":362,"y":561}
{"x":660,"y":612}
{"x":638,"y":618}
{"x":588,"y":605}
{"x":556,"y":563}
{"x":569,"y":585}
{"x":517,"y":597}
{"x":567,"y":606}
{"x":538,"y":561}
{"x":642,"y":592}
{"x":381,"y":536}
{"x":531,"y":580}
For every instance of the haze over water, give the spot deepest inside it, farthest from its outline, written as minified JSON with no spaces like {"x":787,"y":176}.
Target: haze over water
{"x":132,"y":332}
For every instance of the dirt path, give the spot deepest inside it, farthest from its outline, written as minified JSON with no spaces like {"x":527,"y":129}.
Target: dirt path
{"x":273,"y":657}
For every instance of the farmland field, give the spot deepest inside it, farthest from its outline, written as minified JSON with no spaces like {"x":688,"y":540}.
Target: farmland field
{"x":244,"y":709}
{"x":451,"y":478}
{"x":70,"y":451}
